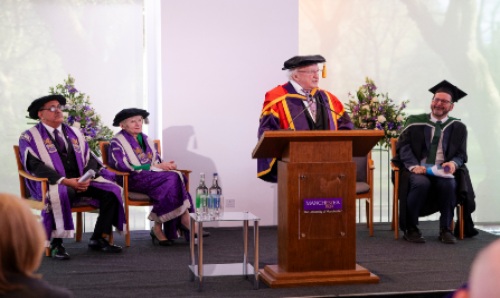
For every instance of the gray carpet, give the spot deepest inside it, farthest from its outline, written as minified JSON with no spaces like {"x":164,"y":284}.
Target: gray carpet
{"x":143,"y":270}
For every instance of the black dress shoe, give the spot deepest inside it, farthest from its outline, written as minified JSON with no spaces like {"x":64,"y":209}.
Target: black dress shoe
{"x":414,"y":235}
{"x":59,"y":252}
{"x":447,"y":237}
{"x":471,"y":233}
{"x":103,"y":245}
{"x":165,"y":242}
{"x":186,"y":232}
{"x":467,"y":233}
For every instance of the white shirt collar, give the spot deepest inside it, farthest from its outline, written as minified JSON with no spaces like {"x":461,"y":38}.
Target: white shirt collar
{"x":50,"y":129}
{"x":433,"y":119}
{"x":297,"y":87}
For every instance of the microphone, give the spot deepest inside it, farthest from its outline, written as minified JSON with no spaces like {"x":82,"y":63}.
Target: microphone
{"x":328,"y":107}
{"x":320,"y":99}
{"x":88,"y":175}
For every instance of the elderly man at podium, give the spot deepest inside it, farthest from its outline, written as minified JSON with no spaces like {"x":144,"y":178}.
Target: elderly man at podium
{"x":299,"y":105}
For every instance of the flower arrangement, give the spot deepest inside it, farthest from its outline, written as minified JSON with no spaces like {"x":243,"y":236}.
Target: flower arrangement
{"x":371,"y":110}
{"x":78,"y":112}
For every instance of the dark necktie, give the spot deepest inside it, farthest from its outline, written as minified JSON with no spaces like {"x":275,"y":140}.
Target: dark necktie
{"x":431,"y":159}
{"x":60,"y":142}
{"x":312,"y":104}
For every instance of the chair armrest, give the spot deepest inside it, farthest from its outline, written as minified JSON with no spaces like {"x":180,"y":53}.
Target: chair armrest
{"x":117,"y":172}
{"x":371,"y":165}
{"x":31,"y":177}
{"x":394,"y":167}
{"x":185,"y":172}
{"x":34,"y":204}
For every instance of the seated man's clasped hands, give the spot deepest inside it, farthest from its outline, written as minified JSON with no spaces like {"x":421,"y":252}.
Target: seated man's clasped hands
{"x":54,"y":150}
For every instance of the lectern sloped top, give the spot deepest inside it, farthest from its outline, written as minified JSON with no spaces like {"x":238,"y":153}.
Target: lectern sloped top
{"x":273,"y":143}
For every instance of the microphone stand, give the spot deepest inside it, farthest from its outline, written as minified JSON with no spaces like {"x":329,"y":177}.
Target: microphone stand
{"x":301,"y":112}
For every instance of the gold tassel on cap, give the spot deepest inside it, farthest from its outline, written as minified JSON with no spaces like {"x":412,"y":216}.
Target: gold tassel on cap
{"x":323,"y":72}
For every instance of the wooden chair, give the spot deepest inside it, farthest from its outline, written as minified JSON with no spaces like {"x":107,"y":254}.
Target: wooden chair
{"x":79,"y":207}
{"x":364,"y":186}
{"x":395,"y":202}
{"x":132,"y":198}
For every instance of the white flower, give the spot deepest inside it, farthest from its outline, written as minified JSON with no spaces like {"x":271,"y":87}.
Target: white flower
{"x":381,"y":119}
{"x":374,"y":99}
{"x":65,"y":115}
{"x":77,"y":124}
{"x":393,"y":133}
{"x":366,"y":107}
{"x":399,"y":118}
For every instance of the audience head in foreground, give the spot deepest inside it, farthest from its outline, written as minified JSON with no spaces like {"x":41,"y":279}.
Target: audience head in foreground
{"x":21,"y":251}
{"x":484,"y":278}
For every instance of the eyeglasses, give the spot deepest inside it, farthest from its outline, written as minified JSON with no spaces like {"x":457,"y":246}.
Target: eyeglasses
{"x":309,"y":72}
{"x":54,"y":108}
{"x":437,"y":100}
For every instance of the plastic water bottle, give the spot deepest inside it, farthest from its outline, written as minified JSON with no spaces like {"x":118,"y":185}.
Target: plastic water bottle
{"x":201,"y":197}
{"x":214,"y":197}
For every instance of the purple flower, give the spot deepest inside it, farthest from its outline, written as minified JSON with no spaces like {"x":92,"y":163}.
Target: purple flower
{"x":71,"y":89}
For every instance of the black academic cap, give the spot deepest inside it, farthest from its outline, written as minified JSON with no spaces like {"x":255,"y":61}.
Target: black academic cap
{"x":447,"y":87}
{"x":37,"y":104}
{"x":300,"y":61}
{"x":127,"y":113}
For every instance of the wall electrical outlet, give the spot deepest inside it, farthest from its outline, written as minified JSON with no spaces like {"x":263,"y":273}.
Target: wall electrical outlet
{"x":230,"y":203}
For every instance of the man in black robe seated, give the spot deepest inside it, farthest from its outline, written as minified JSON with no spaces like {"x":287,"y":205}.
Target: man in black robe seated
{"x":431,"y":153}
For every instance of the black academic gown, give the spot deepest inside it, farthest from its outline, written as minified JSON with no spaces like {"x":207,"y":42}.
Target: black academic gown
{"x":417,"y":138}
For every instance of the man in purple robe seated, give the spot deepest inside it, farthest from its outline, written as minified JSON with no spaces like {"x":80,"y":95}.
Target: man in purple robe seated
{"x":134,"y":152}
{"x":54,"y":150}
{"x":299,"y":105}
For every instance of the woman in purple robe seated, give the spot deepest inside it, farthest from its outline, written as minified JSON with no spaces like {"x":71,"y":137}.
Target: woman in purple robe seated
{"x":133,"y":152}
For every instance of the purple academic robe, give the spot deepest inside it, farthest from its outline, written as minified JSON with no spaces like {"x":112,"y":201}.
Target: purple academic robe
{"x":57,"y":217}
{"x":284,"y":109}
{"x":165,"y":188}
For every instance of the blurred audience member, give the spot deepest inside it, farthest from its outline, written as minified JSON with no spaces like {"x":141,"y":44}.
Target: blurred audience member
{"x":484,"y":278}
{"x":21,"y":250}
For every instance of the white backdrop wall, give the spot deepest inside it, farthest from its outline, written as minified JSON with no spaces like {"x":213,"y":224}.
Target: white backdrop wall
{"x":408,"y":46}
{"x":41,"y":42}
{"x":218,"y":59}
{"x":221,"y":57}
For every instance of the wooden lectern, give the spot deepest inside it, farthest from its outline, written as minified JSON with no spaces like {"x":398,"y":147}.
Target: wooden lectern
{"x":316,"y":246}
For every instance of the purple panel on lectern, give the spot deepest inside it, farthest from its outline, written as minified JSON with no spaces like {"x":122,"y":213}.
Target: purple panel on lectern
{"x":321,"y":205}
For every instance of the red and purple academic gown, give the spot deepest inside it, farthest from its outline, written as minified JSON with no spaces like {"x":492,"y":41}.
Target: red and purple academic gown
{"x":57,"y":217}
{"x":166,"y":188}
{"x":284,"y":109}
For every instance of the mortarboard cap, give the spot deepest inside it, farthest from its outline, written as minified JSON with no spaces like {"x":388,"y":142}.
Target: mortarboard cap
{"x":37,"y":104}
{"x":127,"y":113}
{"x":447,"y":87}
{"x":300,"y":61}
